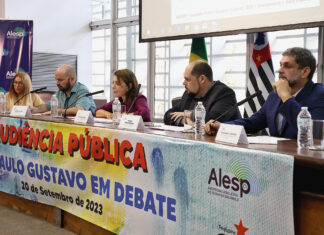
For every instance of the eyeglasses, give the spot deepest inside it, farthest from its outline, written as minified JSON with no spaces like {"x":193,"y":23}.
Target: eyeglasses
{"x":18,"y":83}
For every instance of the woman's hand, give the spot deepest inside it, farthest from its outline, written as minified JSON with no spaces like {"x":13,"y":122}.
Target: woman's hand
{"x":109,"y":115}
{"x":103,"y":114}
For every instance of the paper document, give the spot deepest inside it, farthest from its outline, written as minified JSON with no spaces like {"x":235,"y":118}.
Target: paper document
{"x":161,"y":126}
{"x":264,"y":139}
{"x":102,"y":120}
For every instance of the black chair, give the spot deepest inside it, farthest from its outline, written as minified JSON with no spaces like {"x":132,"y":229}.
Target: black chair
{"x":45,"y":95}
{"x":99,"y":101}
{"x":175,"y":101}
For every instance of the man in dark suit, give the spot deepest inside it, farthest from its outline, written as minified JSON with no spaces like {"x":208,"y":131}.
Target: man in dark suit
{"x":216,"y":96}
{"x":293,"y":90}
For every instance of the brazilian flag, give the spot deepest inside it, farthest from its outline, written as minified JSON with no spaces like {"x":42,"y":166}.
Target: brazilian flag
{"x":198,"y":50}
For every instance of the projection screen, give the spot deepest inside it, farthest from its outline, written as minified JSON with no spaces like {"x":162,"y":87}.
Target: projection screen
{"x":174,"y":19}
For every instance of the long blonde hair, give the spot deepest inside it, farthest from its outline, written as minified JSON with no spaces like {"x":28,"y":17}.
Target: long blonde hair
{"x":12,"y":96}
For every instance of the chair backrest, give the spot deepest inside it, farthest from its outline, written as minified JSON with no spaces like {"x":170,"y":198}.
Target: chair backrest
{"x":45,"y":95}
{"x":99,"y":101}
{"x":175,"y":101}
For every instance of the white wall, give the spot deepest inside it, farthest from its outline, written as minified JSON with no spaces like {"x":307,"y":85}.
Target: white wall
{"x":2,"y":13}
{"x":60,"y":26}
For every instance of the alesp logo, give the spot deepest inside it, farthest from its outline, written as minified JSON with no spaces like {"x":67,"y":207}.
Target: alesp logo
{"x":10,"y":74}
{"x":225,"y":181}
{"x":239,"y":177}
{"x":16,"y":33}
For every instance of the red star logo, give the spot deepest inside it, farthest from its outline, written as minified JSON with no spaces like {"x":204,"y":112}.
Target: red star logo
{"x":240,"y":228}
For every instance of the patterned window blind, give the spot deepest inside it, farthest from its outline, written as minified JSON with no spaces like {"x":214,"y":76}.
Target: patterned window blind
{"x":44,"y":66}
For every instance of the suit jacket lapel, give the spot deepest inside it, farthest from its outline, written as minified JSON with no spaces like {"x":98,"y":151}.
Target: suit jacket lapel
{"x":301,"y":96}
{"x":305,"y":92}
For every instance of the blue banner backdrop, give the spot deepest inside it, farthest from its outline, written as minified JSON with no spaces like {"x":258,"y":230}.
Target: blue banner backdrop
{"x":16,"y":49}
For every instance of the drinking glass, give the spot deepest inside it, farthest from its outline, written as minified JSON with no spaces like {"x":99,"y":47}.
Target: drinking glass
{"x":318,"y":135}
{"x":188,"y":121}
{"x":123,"y":110}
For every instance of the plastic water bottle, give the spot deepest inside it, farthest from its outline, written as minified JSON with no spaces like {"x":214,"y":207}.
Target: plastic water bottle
{"x":54,"y":106}
{"x":200,"y":114}
{"x":2,"y":103}
{"x":305,"y":129}
{"x":116,"y":108}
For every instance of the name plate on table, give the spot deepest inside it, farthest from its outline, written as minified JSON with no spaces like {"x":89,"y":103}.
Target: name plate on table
{"x":83,"y":117}
{"x":131,"y":122}
{"x":20,"y":111}
{"x":233,"y":134}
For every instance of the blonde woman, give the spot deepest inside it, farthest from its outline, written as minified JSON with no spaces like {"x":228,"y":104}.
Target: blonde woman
{"x":21,"y":85}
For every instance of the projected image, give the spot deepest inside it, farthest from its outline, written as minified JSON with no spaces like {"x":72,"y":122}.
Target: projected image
{"x":183,"y":18}
{"x":188,"y":11}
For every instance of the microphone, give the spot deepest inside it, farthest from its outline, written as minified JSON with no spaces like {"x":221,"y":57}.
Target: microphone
{"x":33,"y":91}
{"x":131,"y":106}
{"x":249,"y":97}
{"x":94,"y":93}
{"x":239,"y":103}
{"x":39,"y":89}
{"x":86,"y":95}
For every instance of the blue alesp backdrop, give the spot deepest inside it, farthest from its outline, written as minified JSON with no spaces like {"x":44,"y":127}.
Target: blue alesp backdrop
{"x":16,"y":49}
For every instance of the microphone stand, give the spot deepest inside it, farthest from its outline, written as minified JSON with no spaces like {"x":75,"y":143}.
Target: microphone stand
{"x":131,"y":106}
{"x":86,"y":95}
{"x":238,"y":104}
{"x":37,"y":90}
